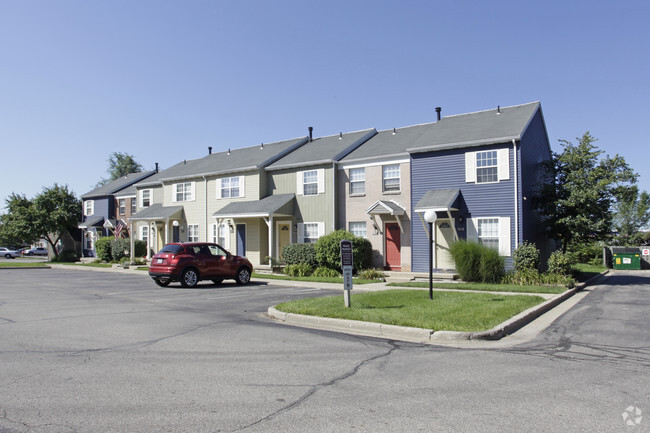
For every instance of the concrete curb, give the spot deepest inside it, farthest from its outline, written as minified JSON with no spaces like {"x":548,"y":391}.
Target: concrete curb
{"x":420,"y":335}
{"x":25,"y":267}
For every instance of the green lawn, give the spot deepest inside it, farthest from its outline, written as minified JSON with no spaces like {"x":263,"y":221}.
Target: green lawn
{"x":312,"y":279}
{"x":14,"y":264}
{"x":449,"y":311}
{"x":585,"y":271}
{"x":479,"y":287}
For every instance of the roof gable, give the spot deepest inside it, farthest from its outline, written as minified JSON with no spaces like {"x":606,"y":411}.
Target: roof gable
{"x":117,"y":185}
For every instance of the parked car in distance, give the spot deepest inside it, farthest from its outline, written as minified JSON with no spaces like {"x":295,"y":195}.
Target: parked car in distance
{"x":8,"y":253}
{"x":38,"y":251}
{"x":192,"y":262}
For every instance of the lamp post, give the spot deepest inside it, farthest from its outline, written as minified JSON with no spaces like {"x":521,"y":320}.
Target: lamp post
{"x":430,"y":216}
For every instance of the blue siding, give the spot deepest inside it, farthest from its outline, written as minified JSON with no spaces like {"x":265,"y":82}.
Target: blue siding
{"x":446,"y":169}
{"x":535,"y":149}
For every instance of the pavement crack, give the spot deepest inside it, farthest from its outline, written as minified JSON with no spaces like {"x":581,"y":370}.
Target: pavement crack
{"x":320,"y":386}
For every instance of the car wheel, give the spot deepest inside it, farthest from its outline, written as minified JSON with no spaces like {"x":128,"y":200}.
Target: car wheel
{"x":7,"y":256}
{"x":243,"y":276}
{"x":217,"y":281}
{"x":189,"y":277}
{"x":162,"y":282}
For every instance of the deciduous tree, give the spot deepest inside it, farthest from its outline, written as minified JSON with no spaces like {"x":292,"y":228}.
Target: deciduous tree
{"x":581,"y":188}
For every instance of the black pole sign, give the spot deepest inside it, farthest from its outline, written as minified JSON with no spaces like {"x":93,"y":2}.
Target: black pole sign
{"x":346,"y":267}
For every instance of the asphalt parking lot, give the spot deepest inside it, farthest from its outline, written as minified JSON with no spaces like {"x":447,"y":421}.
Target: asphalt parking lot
{"x":84,"y":351}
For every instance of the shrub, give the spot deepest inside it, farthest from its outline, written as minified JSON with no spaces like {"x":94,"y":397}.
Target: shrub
{"x":525,"y":256}
{"x":328,"y":250}
{"x":532,"y":277}
{"x":476,"y":262}
{"x":559,"y":263}
{"x":372,"y":274}
{"x":296,"y":254}
{"x":103,"y":248}
{"x":323,"y":271}
{"x":66,"y":256}
{"x":120,"y":248}
{"x":300,"y":270}
{"x":140,"y":248}
{"x":467,"y":257}
{"x":585,"y":253}
{"x":492,"y":266}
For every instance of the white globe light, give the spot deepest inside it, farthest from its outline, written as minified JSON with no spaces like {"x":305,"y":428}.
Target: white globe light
{"x":430,"y":216}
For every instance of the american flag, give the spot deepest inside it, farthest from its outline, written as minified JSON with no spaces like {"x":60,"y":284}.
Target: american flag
{"x":118,"y":229}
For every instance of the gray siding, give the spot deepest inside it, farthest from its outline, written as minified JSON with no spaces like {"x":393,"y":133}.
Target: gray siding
{"x":446,"y":169}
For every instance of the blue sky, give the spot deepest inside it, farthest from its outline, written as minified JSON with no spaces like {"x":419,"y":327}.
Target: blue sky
{"x":163,"y":80}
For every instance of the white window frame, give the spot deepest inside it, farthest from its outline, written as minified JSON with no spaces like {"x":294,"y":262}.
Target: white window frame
{"x":358,"y":228}
{"x":320,"y":177}
{"x":226,"y":183}
{"x":320,"y":227}
{"x":183,"y":189}
{"x":391,"y":168}
{"x":143,"y":198}
{"x":121,"y":204}
{"x":134,"y":205}
{"x":144,"y":233}
{"x":192,"y":233}
{"x":357,"y":178}
{"x":504,"y":228}
{"x":89,"y":207}
{"x":502,"y":165}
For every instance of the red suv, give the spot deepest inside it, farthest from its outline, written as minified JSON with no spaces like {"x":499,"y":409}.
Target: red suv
{"x":190,"y":263}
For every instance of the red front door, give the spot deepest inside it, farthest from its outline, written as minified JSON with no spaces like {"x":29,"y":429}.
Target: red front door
{"x":393,"y":247}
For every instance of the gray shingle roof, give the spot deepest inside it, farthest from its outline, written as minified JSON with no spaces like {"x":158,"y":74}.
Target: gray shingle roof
{"x":437,"y":199}
{"x":117,"y":184}
{"x":158,"y":212}
{"x":233,"y":161}
{"x":93,"y":221}
{"x":383,"y":207}
{"x":475,"y":129}
{"x":323,"y":150}
{"x":267,"y":206}
{"x":388,"y":143}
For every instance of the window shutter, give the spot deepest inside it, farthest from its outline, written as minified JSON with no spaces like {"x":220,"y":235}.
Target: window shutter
{"x":470,"y":167}
{"x":321,"y":229}
{"x":472,"y":229}
{"x":192,"y":191}
{"x":242,"y":186}
{"x":301,"y":233}
{"x":174,"y":190}
{"x":219,"y":188}
{"x":504,"y":164}
{"x":321,"y":180}
{"x":504,"y":236}
{"x":299,"y":188}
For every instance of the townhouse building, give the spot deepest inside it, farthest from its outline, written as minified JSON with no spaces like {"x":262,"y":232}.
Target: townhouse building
{"x":101,"y":209}
{"x":478,"y":171}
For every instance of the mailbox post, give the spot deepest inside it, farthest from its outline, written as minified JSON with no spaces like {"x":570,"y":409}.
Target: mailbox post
{"x":346,"y":267}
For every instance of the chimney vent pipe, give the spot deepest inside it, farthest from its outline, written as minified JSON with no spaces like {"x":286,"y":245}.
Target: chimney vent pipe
{"x":209,"y":150}
{"x":156,"y":167}
{"x":438,"y":110}
{"x":311,"y":130}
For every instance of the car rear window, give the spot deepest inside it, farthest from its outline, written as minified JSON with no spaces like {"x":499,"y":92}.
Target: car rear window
{"x":172,"y":249}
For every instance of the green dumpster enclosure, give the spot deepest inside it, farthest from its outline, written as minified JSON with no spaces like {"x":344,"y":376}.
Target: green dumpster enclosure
{"x":626,"y":258}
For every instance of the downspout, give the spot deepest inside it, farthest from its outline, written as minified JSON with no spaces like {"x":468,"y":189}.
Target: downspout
{"x":516,"y":176}
{"x":334,"y":192}
{"x":205,"y":181}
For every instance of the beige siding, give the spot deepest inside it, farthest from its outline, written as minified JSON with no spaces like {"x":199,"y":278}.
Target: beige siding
{"x":353,"y":209}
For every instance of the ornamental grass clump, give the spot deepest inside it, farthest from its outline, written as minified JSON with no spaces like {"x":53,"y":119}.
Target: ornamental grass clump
{"x":476,"y":262}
